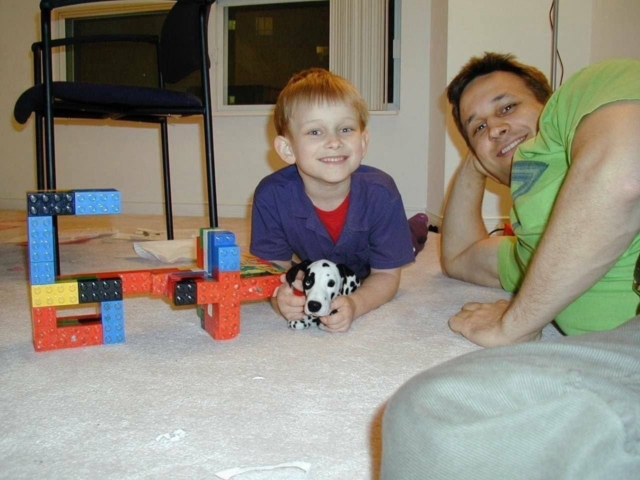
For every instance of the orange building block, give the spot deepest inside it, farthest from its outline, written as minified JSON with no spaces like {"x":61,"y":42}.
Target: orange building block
{"x":87,"y":331}
{"x":256,"y":288}
{"x":222,"y":320}
{"x":49,"y":335}
{"x":45,"y":327}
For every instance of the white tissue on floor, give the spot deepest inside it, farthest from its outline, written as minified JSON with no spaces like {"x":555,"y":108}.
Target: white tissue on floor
{"x":232,"y":472}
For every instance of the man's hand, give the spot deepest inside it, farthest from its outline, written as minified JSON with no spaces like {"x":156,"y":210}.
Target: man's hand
{"x":339,"y":322}
{"x":484,"y":324}
{"x":285,"y":301}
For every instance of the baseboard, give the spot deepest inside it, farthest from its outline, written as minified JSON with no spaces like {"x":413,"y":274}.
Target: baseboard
{"x":231,"y":211}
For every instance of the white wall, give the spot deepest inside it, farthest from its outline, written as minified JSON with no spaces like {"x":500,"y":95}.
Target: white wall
{"x":116,"y":156}
{"x":589,"y":30}
{"x":412,"y":145}
{"x":615,"y":29}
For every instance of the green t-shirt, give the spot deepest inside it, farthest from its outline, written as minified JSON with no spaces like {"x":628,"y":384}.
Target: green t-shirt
{"x":539,"y":169}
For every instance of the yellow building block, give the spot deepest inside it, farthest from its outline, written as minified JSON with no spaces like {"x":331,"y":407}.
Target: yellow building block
{"x":55,"y":294}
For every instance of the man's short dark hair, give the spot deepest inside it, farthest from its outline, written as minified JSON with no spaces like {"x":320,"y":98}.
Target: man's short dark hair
{"x":490,"y":62}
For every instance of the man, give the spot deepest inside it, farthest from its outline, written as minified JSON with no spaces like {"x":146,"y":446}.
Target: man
{"x":568,"y":408}
{"x":575,"y":186}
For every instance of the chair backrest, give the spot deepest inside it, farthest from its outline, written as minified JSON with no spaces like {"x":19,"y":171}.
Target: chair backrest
{"x":180,"y":40}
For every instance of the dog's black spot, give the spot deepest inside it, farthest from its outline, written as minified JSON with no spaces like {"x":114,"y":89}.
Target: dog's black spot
{"x":333,"y":294}
{"x":309,"y":280}
{"x":325,"y":265}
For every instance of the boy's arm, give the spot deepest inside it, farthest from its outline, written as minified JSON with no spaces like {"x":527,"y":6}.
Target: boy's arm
{"x":467,"y":251}
{"x":603,"y":183}
{"x":376,"y":290}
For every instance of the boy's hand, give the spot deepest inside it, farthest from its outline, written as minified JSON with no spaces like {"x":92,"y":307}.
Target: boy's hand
{"x":343,"y":317}
{"x":290,"y":305}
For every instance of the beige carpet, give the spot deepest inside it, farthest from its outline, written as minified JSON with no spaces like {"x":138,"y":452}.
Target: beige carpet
{"x":173,"y":403}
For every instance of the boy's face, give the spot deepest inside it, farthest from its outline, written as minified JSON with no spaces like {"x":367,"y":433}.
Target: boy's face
{"x":498,"y":113}
{"x":325,"y":142}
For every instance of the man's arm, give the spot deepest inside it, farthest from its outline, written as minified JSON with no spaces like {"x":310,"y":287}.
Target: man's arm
{"x":468,"y":253}
{"x":376,"y":290}
{"x":603,"y":183}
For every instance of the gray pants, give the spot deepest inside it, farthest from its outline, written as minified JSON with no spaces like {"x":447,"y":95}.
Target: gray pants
{"x":562,"y":409}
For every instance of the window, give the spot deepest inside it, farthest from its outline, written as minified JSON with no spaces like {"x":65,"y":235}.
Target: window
{"x":261,"y":43}
{"x":116,"y":63}
{"x":266,"y":44}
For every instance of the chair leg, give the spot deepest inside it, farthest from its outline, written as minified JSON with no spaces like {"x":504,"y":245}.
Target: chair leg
{"x":40,"y":171}
{"x":166,"y":173}
{"x":211,"y":171}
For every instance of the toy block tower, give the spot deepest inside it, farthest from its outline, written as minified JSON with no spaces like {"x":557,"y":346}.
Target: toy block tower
{"x":48,"y":292}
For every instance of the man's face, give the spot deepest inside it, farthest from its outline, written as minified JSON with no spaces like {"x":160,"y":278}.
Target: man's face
{"x":498,"y":113}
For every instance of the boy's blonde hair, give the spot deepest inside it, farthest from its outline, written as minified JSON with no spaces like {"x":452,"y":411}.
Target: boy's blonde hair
{"x":317,"y":85}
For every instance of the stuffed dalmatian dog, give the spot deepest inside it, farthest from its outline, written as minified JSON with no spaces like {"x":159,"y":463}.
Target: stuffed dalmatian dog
{"x":323,"y":281}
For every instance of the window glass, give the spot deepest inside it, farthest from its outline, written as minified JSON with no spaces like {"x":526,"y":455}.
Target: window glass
{"x":120,"y":63}
{"x":266,"y":44}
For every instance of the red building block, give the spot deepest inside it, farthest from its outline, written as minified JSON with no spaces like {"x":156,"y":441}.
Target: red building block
{"x":45,"y":327}
{"x":256,"y":288}
{"x":80,"y":331}
{"x":222,"y":320}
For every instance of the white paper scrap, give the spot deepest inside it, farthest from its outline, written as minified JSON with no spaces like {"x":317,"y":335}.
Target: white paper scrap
{"x":174,"y":436}
{"x":232,"y":472}
{"x":167,"y":251}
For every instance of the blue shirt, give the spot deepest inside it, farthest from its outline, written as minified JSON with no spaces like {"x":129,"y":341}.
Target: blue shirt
{"x":375,"y":234}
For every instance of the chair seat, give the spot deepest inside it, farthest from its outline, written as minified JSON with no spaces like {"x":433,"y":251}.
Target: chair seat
{"x":106,"y":98}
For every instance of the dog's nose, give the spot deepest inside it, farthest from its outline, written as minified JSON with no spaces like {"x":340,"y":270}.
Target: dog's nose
{"x":314,"y":306}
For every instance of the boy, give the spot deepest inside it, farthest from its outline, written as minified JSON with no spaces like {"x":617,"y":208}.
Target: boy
{"x":325,"y":204}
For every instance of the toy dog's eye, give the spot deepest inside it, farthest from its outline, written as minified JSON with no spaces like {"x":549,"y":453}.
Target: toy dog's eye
{"x":331,"y":283}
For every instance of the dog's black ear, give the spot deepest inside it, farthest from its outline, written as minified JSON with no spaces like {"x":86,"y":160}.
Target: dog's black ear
{"x":345,"y":271}
{"x":292,"y":273}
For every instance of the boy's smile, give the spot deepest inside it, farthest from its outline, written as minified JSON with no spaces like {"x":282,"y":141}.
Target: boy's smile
{"x":326,"y":143}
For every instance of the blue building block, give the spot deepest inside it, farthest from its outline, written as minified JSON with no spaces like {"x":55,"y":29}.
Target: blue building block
{"x":97,"y":202}
{"x":213,"y":239}
{"x":40,"y":239}
{"x":112,"y":321}
{"x":220,"y":238}
{"x":226,"y":259}
{"x":42,"y":273}
{"x":46,"y":204}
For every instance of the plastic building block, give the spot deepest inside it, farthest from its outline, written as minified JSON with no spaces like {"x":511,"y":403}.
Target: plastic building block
{"x":217,"y":292}
{"x":159,"y":281}
{"x":221,"y":238}
{"x":41,"y":239}
{"x":45,"y":326}
{"x":50,"y":203}
{"x":222,"y":322}
{"x":55,"y":294}
{"x":256,"y":288}
{"x":100,"y":290}
{"x":82,"y":331}
{"x":112,"y":322}
{"x":225,"y":259}
{"x":133,"y":282}
{"x":185,"y":292}
{"x":97,"y":202}
{"x":42,"y":273}
{"x":199,"y":254}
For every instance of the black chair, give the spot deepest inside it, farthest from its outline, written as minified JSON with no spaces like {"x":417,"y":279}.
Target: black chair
{"x":181,"y":50}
